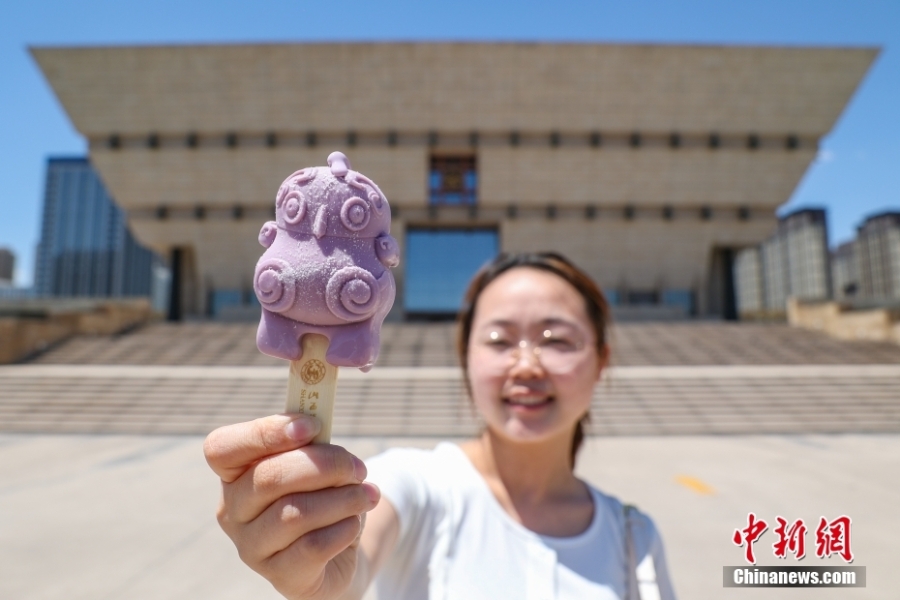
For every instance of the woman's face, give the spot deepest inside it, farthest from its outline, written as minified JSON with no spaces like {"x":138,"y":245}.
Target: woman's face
{"x":533,"y":360}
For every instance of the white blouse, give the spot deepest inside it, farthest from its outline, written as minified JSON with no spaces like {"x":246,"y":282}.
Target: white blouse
{"x":457,"y":542}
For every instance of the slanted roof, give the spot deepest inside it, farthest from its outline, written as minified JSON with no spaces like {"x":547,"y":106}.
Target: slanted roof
{"x":454,"y":87}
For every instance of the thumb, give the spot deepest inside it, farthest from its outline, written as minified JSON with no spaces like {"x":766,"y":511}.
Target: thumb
{"x":232,"y":449}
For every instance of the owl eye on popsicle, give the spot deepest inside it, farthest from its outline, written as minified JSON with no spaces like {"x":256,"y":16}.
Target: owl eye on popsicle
{"x":324,"y":280}
{"x":294,"y":207}
{"x":355,"y":214}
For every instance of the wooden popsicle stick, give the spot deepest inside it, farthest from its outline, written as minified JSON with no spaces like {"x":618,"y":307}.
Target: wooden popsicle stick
{"x":312,"y":383}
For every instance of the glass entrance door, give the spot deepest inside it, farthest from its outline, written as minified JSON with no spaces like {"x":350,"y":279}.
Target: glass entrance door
{"x":439,"y":265}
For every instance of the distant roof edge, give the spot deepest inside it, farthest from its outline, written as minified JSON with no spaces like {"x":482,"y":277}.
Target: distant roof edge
{"x":580,"y":43}
{"x":454,"y":86}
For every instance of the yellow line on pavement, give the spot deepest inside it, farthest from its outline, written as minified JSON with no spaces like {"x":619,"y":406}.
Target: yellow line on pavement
{"x":695,"y":485}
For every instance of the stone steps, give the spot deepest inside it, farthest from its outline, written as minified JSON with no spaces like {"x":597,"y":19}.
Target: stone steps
{"x":693,"y":343}
{"x":706,"y":400}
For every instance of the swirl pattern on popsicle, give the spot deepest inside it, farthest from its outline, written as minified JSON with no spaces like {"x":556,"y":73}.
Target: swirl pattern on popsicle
{"x":352,"y":294}
{"x":368,"y":187}
{"x":275,"y":284}
{"x":267,"y":233}
{"x":290,"y":184}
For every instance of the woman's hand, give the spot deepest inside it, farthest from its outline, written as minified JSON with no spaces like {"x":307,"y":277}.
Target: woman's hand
{"x":295,"y":511}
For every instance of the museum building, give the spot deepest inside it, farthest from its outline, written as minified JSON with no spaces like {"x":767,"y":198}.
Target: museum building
{"x":651,"y":166}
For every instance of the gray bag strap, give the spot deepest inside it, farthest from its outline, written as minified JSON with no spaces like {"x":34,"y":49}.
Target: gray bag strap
{"x":632,"y":589}
{"x":640,"y":582}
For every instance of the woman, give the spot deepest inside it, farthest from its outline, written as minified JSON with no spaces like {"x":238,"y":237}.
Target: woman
{"x":501,"y":516}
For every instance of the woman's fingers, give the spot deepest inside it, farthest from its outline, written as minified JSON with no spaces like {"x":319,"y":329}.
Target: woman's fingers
{"x":230,"y":450}
{"x":314,"y":551}
{"x":283,"y":497}
{"x":296,"y":515}
{"x":306,"y":469}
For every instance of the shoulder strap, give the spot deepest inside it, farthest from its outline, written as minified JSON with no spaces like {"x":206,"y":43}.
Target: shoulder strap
{"x":640,"y":582}
{"x":632,"y":590}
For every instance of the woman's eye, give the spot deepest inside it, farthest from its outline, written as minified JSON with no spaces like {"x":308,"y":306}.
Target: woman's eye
{"x":563,"y":344}
{"x":498,"y":341}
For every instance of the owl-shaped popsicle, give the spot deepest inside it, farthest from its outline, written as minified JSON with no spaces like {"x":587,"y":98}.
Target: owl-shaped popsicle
{"x":324,"y":281}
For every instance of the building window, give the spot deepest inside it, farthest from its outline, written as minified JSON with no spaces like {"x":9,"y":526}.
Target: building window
{"x":452,"y":181}
{"x":679,"y":298}
{"x":642,"y":298}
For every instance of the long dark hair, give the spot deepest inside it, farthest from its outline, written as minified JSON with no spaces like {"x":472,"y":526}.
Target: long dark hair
{"x":552,"y":262}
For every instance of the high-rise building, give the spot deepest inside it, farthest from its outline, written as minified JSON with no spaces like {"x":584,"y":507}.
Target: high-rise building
{"x":7,"y":265}
{"x":748,"y":273}
{"x":793,"y":262}
{"x":86,"y":248}
{"x":772,"y":257}
{"x":844,"y":272}
{"x":805,"y":237}
{"x":878,"y":258}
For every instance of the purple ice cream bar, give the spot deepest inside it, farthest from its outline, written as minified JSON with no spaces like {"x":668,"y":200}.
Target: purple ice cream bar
{"x":326,"y":268}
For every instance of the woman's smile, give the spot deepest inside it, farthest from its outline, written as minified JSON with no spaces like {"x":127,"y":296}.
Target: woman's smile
{"x":528,"y":403}
{"x":528,"y":397}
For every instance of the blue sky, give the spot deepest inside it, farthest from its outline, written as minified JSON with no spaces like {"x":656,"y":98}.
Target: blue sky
{"x":857,"y":173}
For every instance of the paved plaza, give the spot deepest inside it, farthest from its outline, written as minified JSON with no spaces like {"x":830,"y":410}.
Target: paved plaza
{"x":107,"y":517}
{"x":104,"y":492}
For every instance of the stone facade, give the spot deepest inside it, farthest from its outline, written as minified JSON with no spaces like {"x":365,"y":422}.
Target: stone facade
{"x":648,"y":165}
